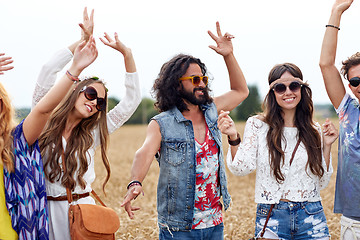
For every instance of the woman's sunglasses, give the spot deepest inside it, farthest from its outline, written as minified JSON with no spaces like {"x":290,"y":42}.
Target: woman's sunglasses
{"x":196,"y":80}
{"x":91,"y":94}
{"x":355,"y":81}
{"x":280,"y":88}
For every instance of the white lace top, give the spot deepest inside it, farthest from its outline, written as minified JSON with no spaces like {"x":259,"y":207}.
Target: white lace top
{"x":300,"y":184}
{"x":115,"y":118}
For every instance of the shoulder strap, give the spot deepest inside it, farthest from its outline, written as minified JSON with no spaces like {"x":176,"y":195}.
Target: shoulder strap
{"x":272,"y":205}
{"x":293,"y":154}
{"x":267,"y":219}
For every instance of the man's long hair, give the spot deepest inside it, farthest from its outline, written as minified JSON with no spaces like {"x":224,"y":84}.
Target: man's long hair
{"x":167,"y":85}
{"x":78,"y":144}
{"x":308,"y":134}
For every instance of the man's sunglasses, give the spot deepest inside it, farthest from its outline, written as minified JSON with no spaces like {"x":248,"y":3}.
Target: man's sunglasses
{"x":196,"y":80}
{"x":280,"y":88}
{"x":355,"y":81}
{"x":91,"y":94}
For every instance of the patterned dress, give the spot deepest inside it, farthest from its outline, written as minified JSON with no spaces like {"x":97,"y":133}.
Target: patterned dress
{"x":25,"y":190}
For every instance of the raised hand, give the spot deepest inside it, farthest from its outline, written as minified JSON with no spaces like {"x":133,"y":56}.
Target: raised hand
{"x":116,"y":44}
{"x":87,"y":26}
{"x":4,"y":62}
{"x":224,"y":45}
{"x":342,"y":5}
{"x":330,"y":133}
{"x":85,"y":54}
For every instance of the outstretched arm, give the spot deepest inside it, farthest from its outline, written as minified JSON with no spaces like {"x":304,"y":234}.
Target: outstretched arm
{"x":332,"y":78}
{"x":34,"y":123}
{"x":141,"y":164}
{"x":239,"y":90}
{"x":4,"y":63}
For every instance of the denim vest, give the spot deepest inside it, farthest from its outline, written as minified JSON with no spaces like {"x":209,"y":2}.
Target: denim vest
{"x":177,"y":161}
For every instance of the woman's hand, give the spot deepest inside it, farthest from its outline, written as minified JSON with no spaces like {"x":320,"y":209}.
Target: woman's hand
{"x":330,"y":133}
{"x":227,"y":125}
{"x":116,"y":44}
{"x":4,"y":62}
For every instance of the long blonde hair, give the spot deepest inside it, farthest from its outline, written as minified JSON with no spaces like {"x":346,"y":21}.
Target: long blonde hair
{"x":7,"y":124}
{"x":78,"y":143}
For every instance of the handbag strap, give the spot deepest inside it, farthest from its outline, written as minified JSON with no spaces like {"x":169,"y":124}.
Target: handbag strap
{"x":68,"y":192}
{"x":272,"y":205}
{"x":293,"y":154}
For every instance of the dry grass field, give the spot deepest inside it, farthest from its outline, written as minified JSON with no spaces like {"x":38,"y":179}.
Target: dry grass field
{"x":238,"y":220}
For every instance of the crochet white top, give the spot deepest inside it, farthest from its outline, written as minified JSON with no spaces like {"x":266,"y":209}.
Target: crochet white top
{"x":300,"y":184}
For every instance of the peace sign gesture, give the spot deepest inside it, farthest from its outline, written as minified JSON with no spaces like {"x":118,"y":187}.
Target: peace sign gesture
{"x":224,"y":45}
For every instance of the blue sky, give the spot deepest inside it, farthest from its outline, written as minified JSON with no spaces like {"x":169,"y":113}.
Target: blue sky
{"x":266,"y":33}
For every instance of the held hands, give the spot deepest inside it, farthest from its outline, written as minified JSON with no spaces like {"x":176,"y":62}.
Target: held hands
{"x":131,"y":194}
{"x":85,"y":54}
{"x":226,"y":125}
{"x":116,"y":44}
{"x":4,"y":62}
{"x":330,"y":133}
{"x":224,"y":46}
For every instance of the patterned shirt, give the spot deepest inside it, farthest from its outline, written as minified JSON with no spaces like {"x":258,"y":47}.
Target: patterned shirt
{"x":25,"y":190}
{"x":347,"y":192}
{"x":207,"y":210}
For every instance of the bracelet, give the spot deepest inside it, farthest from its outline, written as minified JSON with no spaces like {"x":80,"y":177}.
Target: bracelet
{"x":132,"y":183}
{"x":236,"y":141}
{"x":333,"y":26}
{"x":72,"y":77}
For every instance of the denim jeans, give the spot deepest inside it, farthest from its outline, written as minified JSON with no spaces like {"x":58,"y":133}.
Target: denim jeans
{"x":212,"y":233}
{"x":293,"y":220}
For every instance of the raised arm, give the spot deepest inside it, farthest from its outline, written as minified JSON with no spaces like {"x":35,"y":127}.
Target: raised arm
{"x":141,"y":164}
{"x":49,"y":71}
{"x":34,"y":123}
{"x":332,"y":78}
{"x":129,"y":103}
{"x":238,"y":87}
{"x":4,"y":63}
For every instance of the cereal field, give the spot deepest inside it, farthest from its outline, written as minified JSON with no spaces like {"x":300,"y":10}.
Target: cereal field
{"x":238,"y":220}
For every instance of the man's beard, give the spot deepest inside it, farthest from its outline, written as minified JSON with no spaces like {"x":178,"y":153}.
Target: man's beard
{"x":191,"y":97}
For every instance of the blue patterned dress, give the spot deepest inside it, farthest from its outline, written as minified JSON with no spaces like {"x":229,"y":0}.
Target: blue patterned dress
{"x":25,"y":190}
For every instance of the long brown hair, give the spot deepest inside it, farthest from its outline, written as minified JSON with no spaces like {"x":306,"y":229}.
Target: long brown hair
{"x":78,"y":144}
{"x":307,"y":132}
{"x":7,"y":124}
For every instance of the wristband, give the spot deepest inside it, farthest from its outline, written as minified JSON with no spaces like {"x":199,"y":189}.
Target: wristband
{"x":72,"y":77}
{"x":333,"y":26}
{"x":234,"y":142}
{"x":133,"y":183}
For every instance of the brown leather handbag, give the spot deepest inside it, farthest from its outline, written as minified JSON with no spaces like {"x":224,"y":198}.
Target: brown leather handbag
{"x":89,"y":221}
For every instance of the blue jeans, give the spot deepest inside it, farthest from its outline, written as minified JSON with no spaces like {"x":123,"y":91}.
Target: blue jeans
{"x":212,"y":233}
{"x":293,"y":220}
